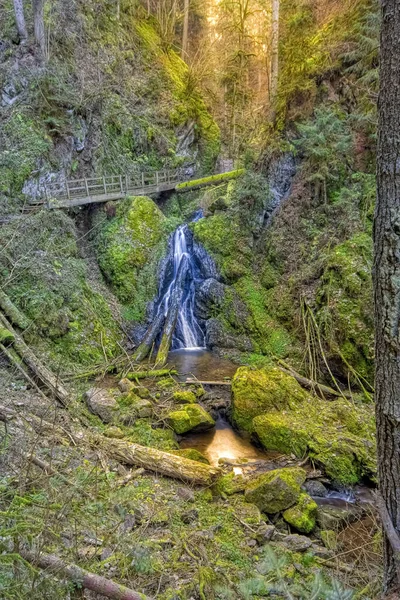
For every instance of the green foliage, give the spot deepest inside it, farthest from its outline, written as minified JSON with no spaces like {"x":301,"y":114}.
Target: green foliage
{"x":210,"y":179}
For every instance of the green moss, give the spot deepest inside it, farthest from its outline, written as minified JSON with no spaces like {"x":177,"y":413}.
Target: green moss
{"x":129,"y":248}
{"x":303,"y":515}
{"x":192,"y":454}
{"x":184,"y":397}
{"x":6,"y":337}
{"x":230,"y":484}
{"x":191,"y":417}
{"x":258,"y":391}
{"x":328,"y":433}
{"x":276,"y":490}
{"x":187,"y":185}
{"x":142,"y":432}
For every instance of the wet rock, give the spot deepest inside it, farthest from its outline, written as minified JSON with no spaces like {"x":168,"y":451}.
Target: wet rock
{"x":303,"y":515}
{"x":191,"y":417}
{"x":276,"y":490}
{"x":218,"y":337}
{"x":315,"y":488}
{"x":210,"y":294}
{"x":101,"y":403}
{"x":297,"y":543}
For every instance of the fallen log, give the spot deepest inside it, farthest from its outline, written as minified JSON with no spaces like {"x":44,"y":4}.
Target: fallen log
{"x":12,"y":312}
{"x":147,"y":342}
{"x":81,"y":577}
{"x":173,"y":313}
{"x":16,"y":360}
{"x":309,"y":384}
{"x":157,"y":460}
{"x":48,"y":378}
{"x":133,"y":375}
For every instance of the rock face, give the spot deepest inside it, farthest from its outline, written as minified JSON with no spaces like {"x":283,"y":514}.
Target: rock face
{"x":303,"y":515}
{"x":277,"y":490}
{"x":191,"y":417}
{"x":101,"y":403}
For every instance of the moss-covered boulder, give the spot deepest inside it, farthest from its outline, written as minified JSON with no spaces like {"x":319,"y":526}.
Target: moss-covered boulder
{"x":257,"y":391}
{"x":132,"y":405}
{"x":129,"y":247}
{"x":338,"y":436}
{"x":303,"y":515}
{"x":191,"y":417}
{"x":192,"y":454}
{"x":231,"y":484}
{"x":277,"y":490}
{"x":184,"y":397}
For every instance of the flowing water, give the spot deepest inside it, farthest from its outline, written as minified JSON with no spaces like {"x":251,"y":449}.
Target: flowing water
{"x":188,"y":332}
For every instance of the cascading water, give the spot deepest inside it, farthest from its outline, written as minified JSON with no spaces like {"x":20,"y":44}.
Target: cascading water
{"x":181,"y":262}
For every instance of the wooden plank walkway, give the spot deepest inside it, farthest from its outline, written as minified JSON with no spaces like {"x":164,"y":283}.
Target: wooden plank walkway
{"x":90,"y":190}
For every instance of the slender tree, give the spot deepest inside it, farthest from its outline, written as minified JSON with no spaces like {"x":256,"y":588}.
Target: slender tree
{"x":275,"y":49}
{"x":38,"y":24}
{"x":185,"y":34}
{"x":20,"y":19}
{"x":387,"y":293}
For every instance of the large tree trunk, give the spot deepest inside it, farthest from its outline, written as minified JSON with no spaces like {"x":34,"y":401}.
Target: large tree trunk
{"x":274,"y":49}
{"x":185,"y":34}
{"x":147,"y":342}
{"x":38,"y":25}
{"x":387,"y":283}
{"x":20,"y":19}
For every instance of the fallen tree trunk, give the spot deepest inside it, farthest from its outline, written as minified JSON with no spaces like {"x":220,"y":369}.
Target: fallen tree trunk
{"x":50,"y":380}
{"x":152,"y":373}
{"x":12,"y":312}
{"x":324,"y":390}
{"x":16,"y":360}
{"x":147,"y":342}
{"x":173,"y":313}
{"x":81,"y":577}
{"x":157,"y":460}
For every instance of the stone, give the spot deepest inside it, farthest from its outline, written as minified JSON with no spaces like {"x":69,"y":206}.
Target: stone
{"x":315,"y":488}
{"x":114,"y":433}
{"x":302,"y":516}
{"x":276,"y":490}
{"x":297,"y":543}
{"x":329,"y":538}
{"x":184,"y":397}
{"x":142,"y":392}
{"x":138,"y":407}
{"x":321,"y":552}
{"x":125,"y":385}
{"x":191,"y":417}
{"x":231,"y":484}
{"x":336,"y":518}
{"x":265,"y":533}
{"x":101,"y":403}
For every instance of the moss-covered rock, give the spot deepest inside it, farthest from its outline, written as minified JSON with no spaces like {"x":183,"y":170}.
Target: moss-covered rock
{"x":129,"y":243}
{"x":191,"y":417}
{"x":303,"y":515}
{"x":255,"y":392}
{"x":192,"y":454}
{"x":277,"y":490}
{"x":231,"y":484}
{"x":184,"y":397}
{"x":132,"y":405}
{"x":338,"y":436}
{"x":114,"y":432}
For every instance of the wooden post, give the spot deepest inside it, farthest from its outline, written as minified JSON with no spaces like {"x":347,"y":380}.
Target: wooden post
{"x":104,"y":185}
{"x":126,"y":183}
{"x":68,"y":195}
{"x":142,"y":180}
{"x":157,"y":178}
{"x":87,"y":188}
{"x":120,"y":184}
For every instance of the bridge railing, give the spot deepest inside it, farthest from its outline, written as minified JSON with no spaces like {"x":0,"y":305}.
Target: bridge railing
{"x":115,"y":184}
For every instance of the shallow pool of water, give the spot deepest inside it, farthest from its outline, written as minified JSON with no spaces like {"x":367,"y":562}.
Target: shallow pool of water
{"x":223,"y":442}
{"x":201,"y":364}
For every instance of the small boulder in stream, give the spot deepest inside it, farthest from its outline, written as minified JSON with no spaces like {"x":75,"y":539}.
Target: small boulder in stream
{"x":302,"y":516}
{"x":191,"y":417}
{"x":101,"y":403}
{"x":184,"y":397}
{"x":276,"y":490}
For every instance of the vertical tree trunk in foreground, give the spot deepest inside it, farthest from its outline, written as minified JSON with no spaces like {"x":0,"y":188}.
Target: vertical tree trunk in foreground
{"x":20,"y":19}
{"x":38,"y":25}
{"x":274,"y":49}
{"x":185,"y":35}
{"x":387,"y":289}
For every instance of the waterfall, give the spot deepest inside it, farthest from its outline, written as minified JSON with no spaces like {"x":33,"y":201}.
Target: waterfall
{"x":181,"y":259}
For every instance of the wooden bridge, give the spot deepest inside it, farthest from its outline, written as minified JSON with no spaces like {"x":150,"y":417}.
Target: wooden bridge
{"x":89,"y":190}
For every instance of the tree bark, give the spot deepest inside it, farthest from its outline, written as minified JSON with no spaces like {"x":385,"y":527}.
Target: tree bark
{"x":145,"y":345}
{"x":38,"y":25}
{"x":185,"y":34}
{"x":274,"y":49}
{"x":157,"y":460}
{"x":386,"y":274}
{"x":12,"y":312}
{"x":20,"y":19}
{"x":90,"y":581}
